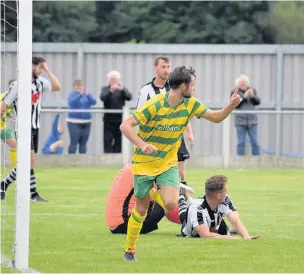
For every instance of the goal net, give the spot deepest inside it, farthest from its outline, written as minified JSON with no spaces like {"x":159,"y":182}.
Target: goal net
{"x":15,"y":69}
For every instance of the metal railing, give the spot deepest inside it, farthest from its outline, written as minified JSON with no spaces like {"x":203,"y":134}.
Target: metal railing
{"x":226,"y":132}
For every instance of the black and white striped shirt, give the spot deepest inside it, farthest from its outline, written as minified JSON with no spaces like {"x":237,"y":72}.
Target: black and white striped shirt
{"x":199,"y":213}
{"x":39,"y":86}
{"x":149,"y":90}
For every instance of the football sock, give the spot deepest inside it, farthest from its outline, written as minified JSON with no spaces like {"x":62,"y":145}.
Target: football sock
{"x":134,"y":227}
{"x":9,"y":179}
{"x":13,"y":156}
{"x":184,"y":182}
{"x":155,"y":196}
{"x":182,"y":207}
{"x":33,"y":184}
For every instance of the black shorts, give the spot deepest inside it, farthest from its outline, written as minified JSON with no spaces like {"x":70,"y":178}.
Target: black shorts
{"x":34,"y":139}
{"x":183,"y":154}
{"x":149,"y":225}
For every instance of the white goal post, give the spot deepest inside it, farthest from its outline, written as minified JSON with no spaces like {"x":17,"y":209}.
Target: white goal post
{"x":24,"y":57}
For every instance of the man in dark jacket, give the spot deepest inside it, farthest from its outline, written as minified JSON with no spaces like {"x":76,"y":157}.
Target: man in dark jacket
{"x":113,"y":96}
{"x":246,"y":123}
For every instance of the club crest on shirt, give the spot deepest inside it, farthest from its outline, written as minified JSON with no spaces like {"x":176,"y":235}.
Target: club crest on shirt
{"x":35,"y":97}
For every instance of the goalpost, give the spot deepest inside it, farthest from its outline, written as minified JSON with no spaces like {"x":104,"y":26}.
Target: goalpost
{"x":24,"y":57}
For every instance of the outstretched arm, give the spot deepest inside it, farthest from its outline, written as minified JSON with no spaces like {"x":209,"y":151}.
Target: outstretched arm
{"x":220,"y":115}
{"x":235,"y":220}
{"x":203,"y":231}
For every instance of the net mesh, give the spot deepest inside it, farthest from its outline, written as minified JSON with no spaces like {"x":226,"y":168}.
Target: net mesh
{"x":8,"y":71}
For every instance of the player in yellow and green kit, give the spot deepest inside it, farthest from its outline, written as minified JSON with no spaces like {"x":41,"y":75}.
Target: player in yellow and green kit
{"x":7,"y":135}
{"x":162,"y":121}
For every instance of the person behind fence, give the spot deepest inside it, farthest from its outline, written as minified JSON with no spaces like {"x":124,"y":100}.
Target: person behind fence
{"x":247,"y":123}
{"x":121,"y":201}
{"x":54,"y":144}
{"x":79,"y":123}
{"x":204,"y":218}
{"x":113,"y":96}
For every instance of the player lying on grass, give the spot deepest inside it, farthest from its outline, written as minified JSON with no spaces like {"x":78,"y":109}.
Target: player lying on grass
{"x":204,"y":217}
{"x":121,"y":201}
{"x":162,"y":121}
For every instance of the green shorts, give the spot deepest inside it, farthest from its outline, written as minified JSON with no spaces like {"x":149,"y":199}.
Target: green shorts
{"x":143,"y":183}
{"x":7,"y":134}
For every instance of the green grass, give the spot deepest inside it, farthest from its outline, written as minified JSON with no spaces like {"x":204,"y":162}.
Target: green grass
{"x":68,"y":234}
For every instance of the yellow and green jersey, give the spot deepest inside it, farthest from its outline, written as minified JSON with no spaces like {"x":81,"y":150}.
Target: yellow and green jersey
{"x":162,"y":126}
{"x":7,"y":114}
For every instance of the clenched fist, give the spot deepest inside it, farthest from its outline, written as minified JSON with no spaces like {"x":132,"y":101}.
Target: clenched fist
{"x":148,"y":149}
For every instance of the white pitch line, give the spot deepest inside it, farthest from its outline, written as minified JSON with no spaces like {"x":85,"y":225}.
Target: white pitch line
{"x":61,"y":214}
{"x":8,"y":263}
{"x":87,"y":215}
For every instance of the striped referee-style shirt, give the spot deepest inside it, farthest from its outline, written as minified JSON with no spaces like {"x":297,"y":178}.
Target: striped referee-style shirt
{"x":39,"y":86}
{"x":162,"y":126}
{"x":199,"y":213}
{"x":149,"y":90}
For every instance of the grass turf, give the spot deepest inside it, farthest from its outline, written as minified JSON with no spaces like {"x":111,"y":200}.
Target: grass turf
{"x":68,"y":234}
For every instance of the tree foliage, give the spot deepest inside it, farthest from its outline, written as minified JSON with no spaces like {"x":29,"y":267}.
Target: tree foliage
{"x":288,"y":18}
{"x":211,"y":22}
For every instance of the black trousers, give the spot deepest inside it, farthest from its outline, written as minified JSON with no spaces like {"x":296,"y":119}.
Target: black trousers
{"x":149,"y":225}
{"x":112,"y":136}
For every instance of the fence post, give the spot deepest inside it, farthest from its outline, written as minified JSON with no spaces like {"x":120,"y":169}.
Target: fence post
{"x":80,"y":63}
{"x":279,"y":98}
{"x":125,"y":142}
{"x":226,"y":141}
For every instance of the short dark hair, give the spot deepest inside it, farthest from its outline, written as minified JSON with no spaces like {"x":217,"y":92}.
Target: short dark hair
{"x":164,"y":58}
{"x":181,"y":75}
{"x":215,"y":184}
{"x":37,"y":60}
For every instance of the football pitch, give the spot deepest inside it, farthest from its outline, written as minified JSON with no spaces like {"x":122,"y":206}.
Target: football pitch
{"x":68,"y":234}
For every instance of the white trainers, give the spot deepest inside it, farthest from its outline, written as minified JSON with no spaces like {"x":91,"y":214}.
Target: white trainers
{"x":188,"y":189}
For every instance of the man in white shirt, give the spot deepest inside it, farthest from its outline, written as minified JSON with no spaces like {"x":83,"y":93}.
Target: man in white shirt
{"x":39,"y":86}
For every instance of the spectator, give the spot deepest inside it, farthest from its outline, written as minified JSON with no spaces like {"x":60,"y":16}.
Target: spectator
{"x":53,"y":144}
{"x":246,"y":123}
{"x":114,"y":96}
{"x":79,"y":123}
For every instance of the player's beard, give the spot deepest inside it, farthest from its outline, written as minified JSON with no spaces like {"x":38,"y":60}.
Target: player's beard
{"x":34,"y":75}
{"x":187,"y":95}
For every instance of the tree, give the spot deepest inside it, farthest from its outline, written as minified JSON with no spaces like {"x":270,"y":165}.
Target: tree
{"x":9,"y":21}
{"x":287,"y":17}
{"x":63,"y":21}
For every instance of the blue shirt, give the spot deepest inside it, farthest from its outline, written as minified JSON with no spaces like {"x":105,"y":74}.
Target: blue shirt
{"x":78,"y":100}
